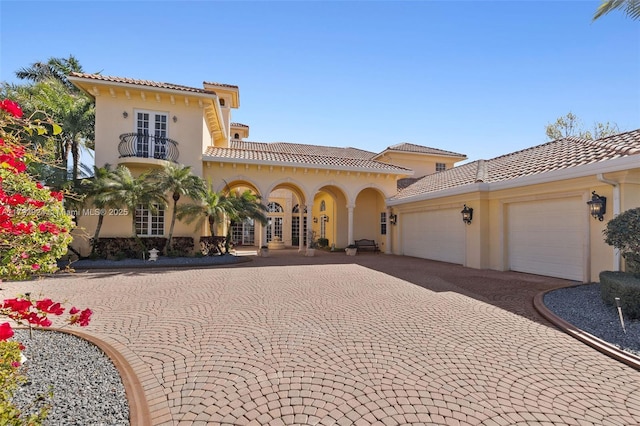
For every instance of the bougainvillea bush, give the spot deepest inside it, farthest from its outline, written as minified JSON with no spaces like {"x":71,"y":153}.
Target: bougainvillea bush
{"x":34,"y":233}
{"x":34,"y":227}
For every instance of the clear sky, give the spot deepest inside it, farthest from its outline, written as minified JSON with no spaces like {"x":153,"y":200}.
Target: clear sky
{"x":482,"y":78}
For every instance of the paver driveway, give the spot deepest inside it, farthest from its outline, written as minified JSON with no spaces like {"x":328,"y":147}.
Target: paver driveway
{"x":324,"y":340}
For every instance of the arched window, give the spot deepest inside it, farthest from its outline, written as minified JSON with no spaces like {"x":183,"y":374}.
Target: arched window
{"x":221,"y":102}
{"x":323,"y":206}
{"x":296,"y":209}
{"x":274,"y":207}
{"x":236,"y":136}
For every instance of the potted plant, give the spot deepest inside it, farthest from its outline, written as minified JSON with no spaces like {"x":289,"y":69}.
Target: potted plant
{"x":351,"y":250}
{"x":264,"y":251}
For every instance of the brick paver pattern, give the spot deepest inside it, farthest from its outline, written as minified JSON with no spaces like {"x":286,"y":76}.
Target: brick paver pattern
{"x":369,"y":340}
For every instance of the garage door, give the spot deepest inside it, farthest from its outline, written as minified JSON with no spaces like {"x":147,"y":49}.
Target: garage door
{"x":437,"y":235}
{"x":547,"y":237}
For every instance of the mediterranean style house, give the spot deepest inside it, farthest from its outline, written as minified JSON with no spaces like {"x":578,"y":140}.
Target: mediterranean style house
{"x":525,"y":211}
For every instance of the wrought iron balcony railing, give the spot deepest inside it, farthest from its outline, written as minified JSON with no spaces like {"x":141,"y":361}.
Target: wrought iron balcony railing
{"x":148,"y":146}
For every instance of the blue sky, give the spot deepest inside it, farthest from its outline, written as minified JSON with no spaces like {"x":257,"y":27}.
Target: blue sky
{"x":481,"y":78}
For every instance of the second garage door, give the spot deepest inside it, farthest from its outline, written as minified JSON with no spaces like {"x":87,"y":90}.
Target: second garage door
{"x":437,"y":235}
{"x":548,"y":237}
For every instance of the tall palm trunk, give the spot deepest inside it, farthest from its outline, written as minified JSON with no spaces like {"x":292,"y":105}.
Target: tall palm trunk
{"x":212,"y":222}
{"x":176,"y":197}
{"x":94,"y":244}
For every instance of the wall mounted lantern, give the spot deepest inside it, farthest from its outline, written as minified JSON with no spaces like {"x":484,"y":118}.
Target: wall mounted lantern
{"x":467,"y":214}
{"x":597,"y":206}
{"x":125,"y":114}
{"x":175,"y":119}
{"x":315,"y":220}
{"x":393,"y":219}
{"x":325,"y":219}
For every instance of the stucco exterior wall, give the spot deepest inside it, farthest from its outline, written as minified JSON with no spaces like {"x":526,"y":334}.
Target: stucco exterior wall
{"x":486,"y":243}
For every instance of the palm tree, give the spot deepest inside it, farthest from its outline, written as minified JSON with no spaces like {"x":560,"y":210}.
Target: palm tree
{"x":212,"y":206}
{"x":75,"y":113}
{"x":54,"y":94}
{"x":246,"y":205}
{"x":631,"y":8}
{"x":126,"y":190}
{"x":98,"y":188}
{"x":178,"y":180}
{"x":55,"y":68}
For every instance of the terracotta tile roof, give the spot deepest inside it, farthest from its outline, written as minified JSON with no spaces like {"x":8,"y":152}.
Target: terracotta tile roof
{"x":238,"y":125}
{"x":556,"y":155}
{"x":147,"y":83}
{"x":304,"y":149}
{"x":233,"y":86}
{"x":303,"y":155}
{"x":409,"y":147}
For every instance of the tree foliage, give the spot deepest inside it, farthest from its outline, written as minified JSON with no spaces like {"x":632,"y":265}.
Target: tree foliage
{"x":631,"y":8}
{"x":623,"y":233}
{"x":178,"y":180}
{"x":571,"y":125}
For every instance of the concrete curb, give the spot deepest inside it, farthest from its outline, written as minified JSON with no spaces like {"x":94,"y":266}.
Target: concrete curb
{"x":591,"y":340}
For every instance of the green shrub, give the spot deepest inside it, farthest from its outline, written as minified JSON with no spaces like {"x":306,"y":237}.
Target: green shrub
{"x":323,"y":242}
{"x":623,"y":233}
{"x":622,"y":285}
{"x":10,"y":378}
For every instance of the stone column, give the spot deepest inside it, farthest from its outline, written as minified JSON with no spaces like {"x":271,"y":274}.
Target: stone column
{"x":350,"y":233}
{"x":387,"y":243}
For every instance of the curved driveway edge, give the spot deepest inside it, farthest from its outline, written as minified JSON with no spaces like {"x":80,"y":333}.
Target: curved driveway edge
{"x":591,"y":340}
{"x":139,"y":414}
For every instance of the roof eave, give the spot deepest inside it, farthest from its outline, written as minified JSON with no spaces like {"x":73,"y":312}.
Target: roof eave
{"x":90,"y":81}
{"x":605,"y":166}
{"x":305,"y":165}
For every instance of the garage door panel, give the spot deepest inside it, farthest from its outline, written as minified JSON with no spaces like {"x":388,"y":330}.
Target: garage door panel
{"x":547,"y":238}
{"x":437,"y":235}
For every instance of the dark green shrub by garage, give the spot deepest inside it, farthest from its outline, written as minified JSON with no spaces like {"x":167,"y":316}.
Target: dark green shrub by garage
{"x":623,"y":233}
{"x":625,"y":286}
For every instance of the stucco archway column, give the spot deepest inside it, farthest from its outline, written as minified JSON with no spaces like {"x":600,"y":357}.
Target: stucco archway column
{"x":309,"y":224}
{"x":350,"y":222}
{"x":263,"y":235}
{"x":387,"y":243}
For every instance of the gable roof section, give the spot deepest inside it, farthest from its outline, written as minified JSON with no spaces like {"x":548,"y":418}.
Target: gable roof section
{"x":146,"y":83}
{"x":552,"y":156}
{"x":290,"y":154}
{"x":419,"y":149}
{"x":207,"y":99}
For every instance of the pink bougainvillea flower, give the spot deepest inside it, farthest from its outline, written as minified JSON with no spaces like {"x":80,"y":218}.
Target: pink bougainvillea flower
{"x":46,"y":248}
{"x":35,"y":266}
{"x":49,"y":306}
{"x":15,"y":364}
{"x":5,"y":331}
{"x":17,"y":305}
{"x":85,"y":317}
{"x":57,"y":195}
{"x":24,"y":255}
{"x":11,"y":107}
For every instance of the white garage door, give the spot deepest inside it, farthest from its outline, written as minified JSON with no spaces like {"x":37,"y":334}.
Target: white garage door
{"x":437,"y":235}
{"x":547,"y":237}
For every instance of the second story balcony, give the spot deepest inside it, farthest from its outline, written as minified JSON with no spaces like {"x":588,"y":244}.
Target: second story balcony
{"x":140,"y":145}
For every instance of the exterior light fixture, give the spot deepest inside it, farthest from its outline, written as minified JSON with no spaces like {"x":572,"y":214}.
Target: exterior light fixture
{"x":175,"y":119}
{"x":125,"y":114}
{"x":597,"y":206}
{"x":467,"y":214}
{"x":315,"y":220}
{"x":393,"y":219}
{"x":326,"y":219}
